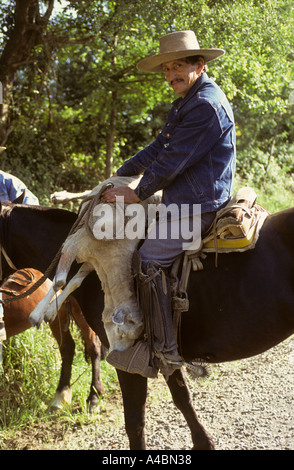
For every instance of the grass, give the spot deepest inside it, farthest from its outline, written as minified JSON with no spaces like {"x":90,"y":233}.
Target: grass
{"x":275,"y":198}
{"x":29,"y":376}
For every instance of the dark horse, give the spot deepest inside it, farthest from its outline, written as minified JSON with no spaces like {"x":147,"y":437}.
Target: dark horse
{"x":33,"y":243}
{"x":238,"y":310}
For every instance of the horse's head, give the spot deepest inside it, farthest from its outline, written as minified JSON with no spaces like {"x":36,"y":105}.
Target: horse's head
{"x":5,"y":208}
{"x":9,"y":204}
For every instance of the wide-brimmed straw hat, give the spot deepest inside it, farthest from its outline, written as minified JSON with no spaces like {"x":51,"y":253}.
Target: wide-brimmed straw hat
{"x":176,"y":46}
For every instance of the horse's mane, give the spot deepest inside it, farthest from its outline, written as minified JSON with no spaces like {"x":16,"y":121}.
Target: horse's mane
{"x":53,"y":213}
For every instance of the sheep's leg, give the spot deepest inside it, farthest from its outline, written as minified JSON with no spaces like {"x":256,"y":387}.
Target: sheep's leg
{"x":73,"y":284}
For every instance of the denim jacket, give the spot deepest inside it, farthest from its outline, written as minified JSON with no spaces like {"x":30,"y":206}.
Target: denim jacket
{"x":193,"y":158}
{"x":11,"y":188}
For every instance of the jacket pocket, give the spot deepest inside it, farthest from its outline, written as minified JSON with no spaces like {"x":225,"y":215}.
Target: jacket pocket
{"x":201,"y":179}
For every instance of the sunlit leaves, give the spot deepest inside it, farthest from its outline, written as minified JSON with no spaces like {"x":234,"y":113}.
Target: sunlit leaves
{"x":64,"y":99}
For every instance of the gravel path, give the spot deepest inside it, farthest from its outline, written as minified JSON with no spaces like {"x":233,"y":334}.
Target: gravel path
{"x":246,"y":405}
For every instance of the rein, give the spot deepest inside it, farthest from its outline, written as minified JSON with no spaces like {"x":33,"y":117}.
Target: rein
{"x":10,"y":263}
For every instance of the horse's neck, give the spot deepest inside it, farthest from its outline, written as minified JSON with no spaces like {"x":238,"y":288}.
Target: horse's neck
{"x":18,"y":247}
{"x":34,"y":235}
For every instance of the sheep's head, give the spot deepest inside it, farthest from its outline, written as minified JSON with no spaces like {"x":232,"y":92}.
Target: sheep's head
{"x":123,"y":327}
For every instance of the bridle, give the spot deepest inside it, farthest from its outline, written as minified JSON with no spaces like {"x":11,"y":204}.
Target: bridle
{"x":8,"y":260}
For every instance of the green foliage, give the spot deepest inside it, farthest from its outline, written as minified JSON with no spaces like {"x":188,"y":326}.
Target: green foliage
{"x":28,"y":364}
{"x":82,"y":87}
{"x":29,"y":377}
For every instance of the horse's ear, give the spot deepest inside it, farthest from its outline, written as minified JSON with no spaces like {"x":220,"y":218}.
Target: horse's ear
{"x":20,"y":199}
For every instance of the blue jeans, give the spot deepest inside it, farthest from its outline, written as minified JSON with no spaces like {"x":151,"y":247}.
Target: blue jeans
{"x":165,"y":250}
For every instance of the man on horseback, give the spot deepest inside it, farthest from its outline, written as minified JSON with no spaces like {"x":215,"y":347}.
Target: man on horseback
{"x":12,"y":187}
{"x":193,"y":162}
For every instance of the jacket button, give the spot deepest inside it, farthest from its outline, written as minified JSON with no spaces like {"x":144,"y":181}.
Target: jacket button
{"x":168,"y":136}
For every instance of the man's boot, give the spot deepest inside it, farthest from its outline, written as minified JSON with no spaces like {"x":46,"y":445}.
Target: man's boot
{"x":136,"y":360}
{"x":164,"y":342}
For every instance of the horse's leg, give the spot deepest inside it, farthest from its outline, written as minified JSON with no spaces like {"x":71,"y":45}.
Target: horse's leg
{"x":134,"y":393}
{"x":60,"y":331}
{"x":93,"y":350}
{"x":182,"y":399}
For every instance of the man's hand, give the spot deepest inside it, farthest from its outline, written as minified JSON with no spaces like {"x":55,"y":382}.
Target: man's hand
{"x":129,"y":195}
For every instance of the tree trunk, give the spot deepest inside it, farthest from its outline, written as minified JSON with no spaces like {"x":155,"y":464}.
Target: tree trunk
{"x":27,"y":33}
{"x":112,"y":119}
{"x":5,"y":129}
{"x":110,"y":136}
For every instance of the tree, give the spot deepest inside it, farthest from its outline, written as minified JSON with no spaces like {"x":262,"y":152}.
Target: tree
{"x":25,"y":30}
{"x":24,"y":36}
{"x":79,"y":108}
